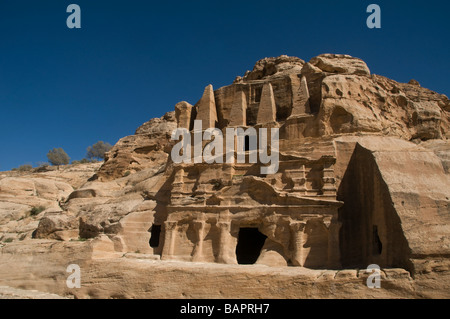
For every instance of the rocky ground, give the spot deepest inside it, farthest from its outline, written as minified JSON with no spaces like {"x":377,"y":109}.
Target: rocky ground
{"x":43,"y":265}
{"x":25,"y":197}
{"x":14,"y":293}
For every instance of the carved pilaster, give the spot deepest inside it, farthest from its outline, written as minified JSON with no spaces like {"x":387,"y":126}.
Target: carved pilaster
{"x":298,"y":240}
{"x":334,"y":254}
{"x":226,"y":254}
{"x":169,"y":239}
{"x":199,"y":227}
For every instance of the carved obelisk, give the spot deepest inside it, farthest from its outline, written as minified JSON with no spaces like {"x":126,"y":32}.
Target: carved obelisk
{"x":238,"y":116}
{"x":183,"y":111}
{"x":300,"y":96}
{"x":206,"y":111}
{"x":267,"y":112}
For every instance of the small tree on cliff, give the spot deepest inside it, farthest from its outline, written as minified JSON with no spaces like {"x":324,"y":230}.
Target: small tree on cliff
{"x":57,"y":157}
{"x":98,"y":150}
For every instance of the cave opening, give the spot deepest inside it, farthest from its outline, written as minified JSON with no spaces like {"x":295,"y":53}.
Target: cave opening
{"x":377,"y":246}
{"x":250,"y":243}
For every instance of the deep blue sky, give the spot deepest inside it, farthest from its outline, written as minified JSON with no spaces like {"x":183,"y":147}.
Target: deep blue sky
{"x":134,"y":60}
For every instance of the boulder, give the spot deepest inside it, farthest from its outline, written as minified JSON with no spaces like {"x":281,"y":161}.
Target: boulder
{"x":341,"y":64}
{"x":57,"y":226}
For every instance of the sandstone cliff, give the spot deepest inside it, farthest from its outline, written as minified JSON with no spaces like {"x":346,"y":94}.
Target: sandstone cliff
{"x":364,"y":178}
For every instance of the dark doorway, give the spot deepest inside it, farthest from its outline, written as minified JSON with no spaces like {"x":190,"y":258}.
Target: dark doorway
{"x":250,"y":243}
{"x":155,"y":233}
{"x":246,"y":143}
{"x":250,"y":143}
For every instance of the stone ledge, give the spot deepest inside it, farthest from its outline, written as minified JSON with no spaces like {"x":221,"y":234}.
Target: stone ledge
{"x":142,"y":256}
{"x":15,"y":293}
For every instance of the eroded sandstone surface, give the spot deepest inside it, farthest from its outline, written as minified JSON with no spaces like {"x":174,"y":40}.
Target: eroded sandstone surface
{"x":363,"y":179}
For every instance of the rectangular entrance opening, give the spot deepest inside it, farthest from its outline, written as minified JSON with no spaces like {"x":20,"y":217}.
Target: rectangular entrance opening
{"x":250,"y":243}
{"x":155,"y":233}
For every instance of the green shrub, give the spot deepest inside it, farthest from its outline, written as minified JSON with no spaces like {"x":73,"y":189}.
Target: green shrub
{"x":83,"y":161}
{"x":127,"y":173}
{"x":42,"y":164}
{"x":23,"y":168}
{"x":9,"y":240}
{"x":98,"y":150}
{"x":57,"y":157}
